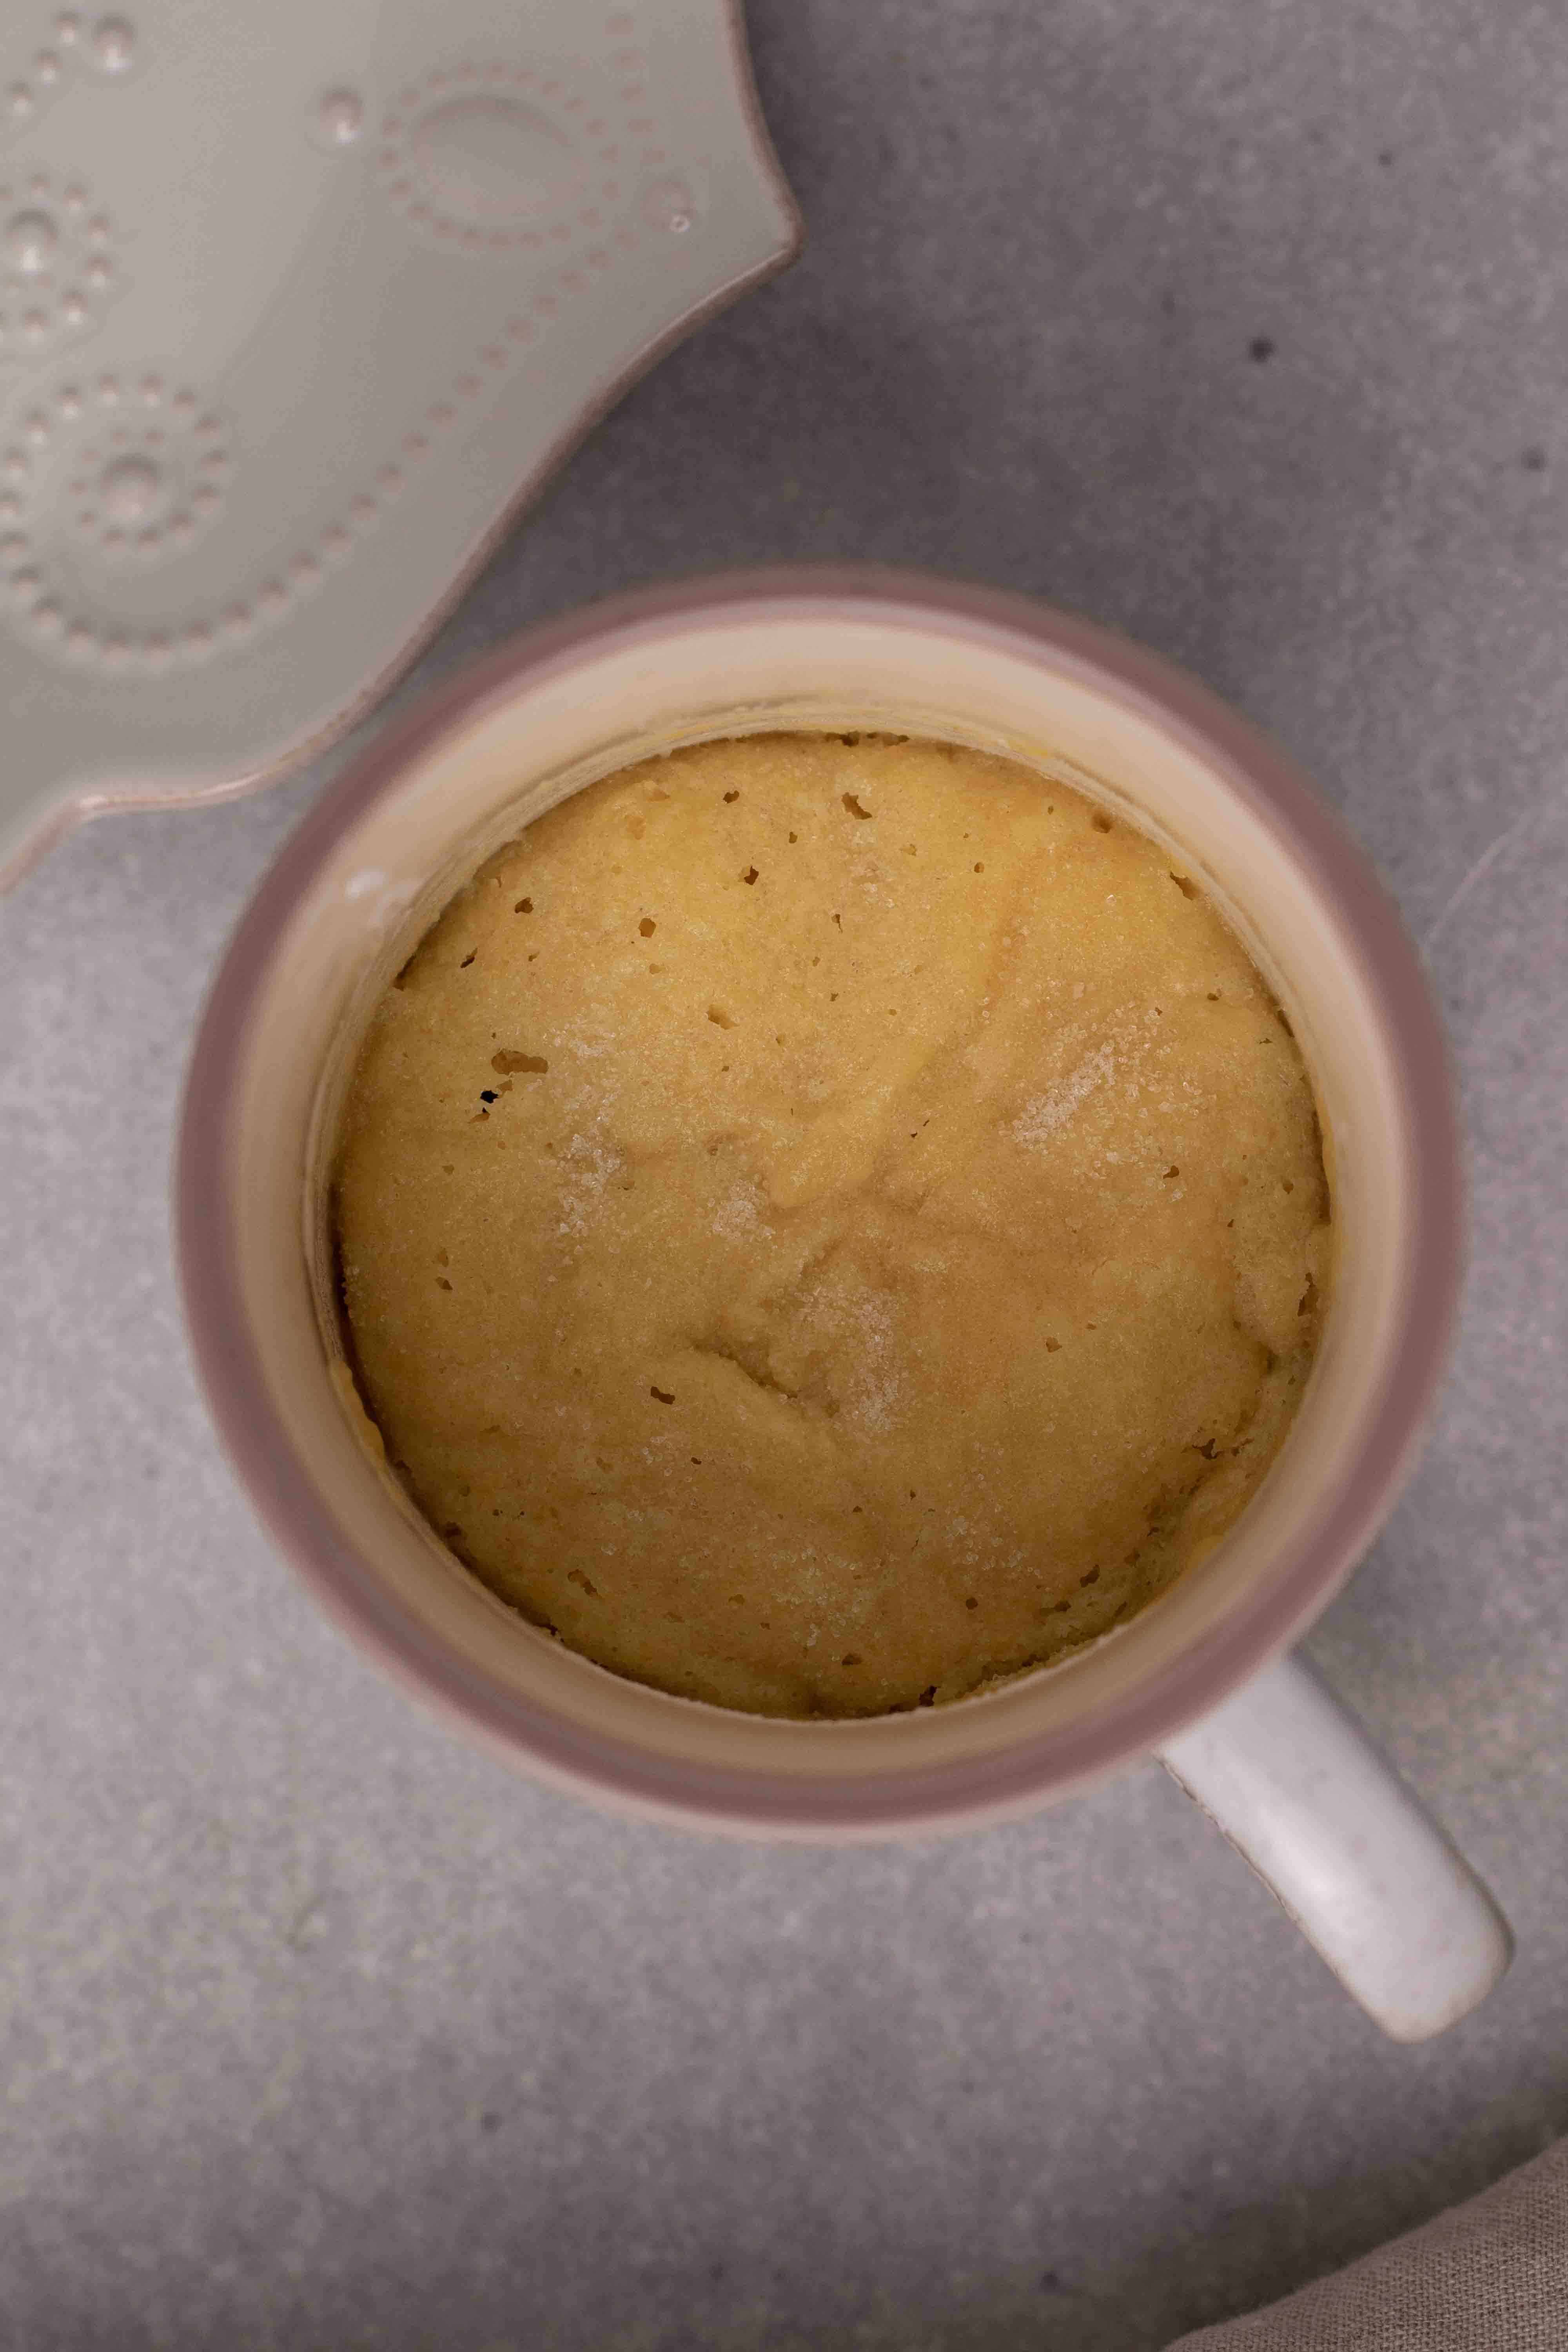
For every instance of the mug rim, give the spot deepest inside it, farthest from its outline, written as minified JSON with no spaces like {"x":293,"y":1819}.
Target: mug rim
{"x":1024,"y":1775}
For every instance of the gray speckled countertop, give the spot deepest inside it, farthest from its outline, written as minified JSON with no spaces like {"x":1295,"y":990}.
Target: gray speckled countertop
{"x":1244,"y":326}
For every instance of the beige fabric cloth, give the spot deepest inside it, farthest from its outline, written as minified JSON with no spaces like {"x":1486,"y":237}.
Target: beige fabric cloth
{"x":1491,"y":2276}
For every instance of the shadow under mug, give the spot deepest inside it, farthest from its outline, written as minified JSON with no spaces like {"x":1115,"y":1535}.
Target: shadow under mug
{"x":1199,"y":1676}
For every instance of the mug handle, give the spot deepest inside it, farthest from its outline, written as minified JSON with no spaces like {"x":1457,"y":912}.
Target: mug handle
{"x":1376,"y":1887}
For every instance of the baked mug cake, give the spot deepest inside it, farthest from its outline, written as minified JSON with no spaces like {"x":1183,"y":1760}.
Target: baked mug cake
{"x":825,"y":1249}
{"x":830,"y":1222}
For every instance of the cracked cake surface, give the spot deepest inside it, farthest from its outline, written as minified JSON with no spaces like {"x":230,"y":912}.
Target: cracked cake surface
{"x":830,"y":1221}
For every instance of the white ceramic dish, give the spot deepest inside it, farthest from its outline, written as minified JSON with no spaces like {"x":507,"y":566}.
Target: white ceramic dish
{"x":298,"y":306}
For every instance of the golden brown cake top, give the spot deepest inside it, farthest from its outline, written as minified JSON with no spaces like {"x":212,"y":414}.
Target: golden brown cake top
{"x":829,"y":1221}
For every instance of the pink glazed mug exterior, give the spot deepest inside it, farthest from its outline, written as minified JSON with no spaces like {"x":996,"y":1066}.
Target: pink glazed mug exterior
{"x":824,"y":647}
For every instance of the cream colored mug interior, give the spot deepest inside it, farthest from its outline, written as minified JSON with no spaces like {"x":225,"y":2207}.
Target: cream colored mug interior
{"x":718,"y":673}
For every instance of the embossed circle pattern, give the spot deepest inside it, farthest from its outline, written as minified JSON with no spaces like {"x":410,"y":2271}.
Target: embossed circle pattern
{"x":490,"y":156}
{"x":58,"y":271}
{"x":103,"y":481}
{"x":107,"y":47}
{"x":114,"y":474}
{"x":151,"y":477}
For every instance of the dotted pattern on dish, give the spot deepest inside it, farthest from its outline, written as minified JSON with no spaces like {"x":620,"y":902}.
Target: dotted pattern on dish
{"x":58,"y":270}
{"x":112,"y":475}
{"x":492,"y":158}
{"x":143,"y":470}
{"x":104,"y":48}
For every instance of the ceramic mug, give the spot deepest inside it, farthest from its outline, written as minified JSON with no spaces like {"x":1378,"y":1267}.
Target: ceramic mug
{"x":1199,"y":1677}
